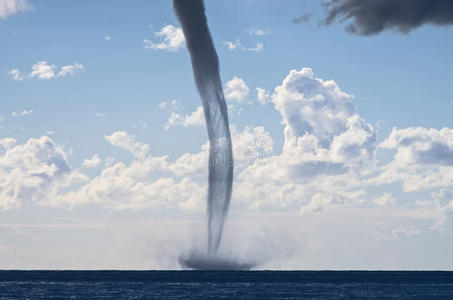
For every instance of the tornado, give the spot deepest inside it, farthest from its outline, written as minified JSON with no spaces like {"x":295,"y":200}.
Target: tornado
{"x":205,"y":65}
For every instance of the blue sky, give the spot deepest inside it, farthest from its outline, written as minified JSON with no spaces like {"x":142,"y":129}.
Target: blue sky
{"x":96,"y":120}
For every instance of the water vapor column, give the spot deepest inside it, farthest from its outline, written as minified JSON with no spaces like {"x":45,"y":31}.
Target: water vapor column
{"x":205,"y":63}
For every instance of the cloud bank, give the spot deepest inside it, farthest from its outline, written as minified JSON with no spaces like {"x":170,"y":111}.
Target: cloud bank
{"x":324,"y":169}
{"x":327,"y":160}
{"x":291,"y":203}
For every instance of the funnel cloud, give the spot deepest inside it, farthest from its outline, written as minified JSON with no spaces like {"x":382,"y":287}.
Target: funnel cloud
{"x":205,"y":63}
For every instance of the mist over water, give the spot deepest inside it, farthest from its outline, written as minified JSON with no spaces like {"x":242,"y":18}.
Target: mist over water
{"x":205,"y":63}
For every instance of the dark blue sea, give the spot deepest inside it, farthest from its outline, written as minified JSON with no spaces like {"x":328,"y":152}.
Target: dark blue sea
{"x":225,"y":285}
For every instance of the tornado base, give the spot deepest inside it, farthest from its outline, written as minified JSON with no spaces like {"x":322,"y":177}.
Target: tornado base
{"x":213,"y":263}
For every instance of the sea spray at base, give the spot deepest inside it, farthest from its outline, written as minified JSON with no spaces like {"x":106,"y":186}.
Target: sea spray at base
{"x":201,"y":261}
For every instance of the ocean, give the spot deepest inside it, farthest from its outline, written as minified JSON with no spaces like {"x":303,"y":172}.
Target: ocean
{"x":225,"y":285}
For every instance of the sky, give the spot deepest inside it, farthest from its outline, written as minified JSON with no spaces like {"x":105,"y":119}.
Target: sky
{"x":341,"y":126}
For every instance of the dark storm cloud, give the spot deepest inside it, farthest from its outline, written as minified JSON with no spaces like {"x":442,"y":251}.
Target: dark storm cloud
{"x":369,"y":17}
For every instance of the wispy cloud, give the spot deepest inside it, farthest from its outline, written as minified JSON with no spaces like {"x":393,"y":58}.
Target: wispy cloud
{"x":232,"y":45}
{"x":397,"y":234}
{"x":171,"y":105}
{"x":256,"y":31}
{"x":302,"y":19}
{"x":70,"y":70}
{"x":45,"y":71}
{"x":20,"y":114}
{"x":236,"y":45}
{"x":258,"y":48}
{"x":15,"y":73}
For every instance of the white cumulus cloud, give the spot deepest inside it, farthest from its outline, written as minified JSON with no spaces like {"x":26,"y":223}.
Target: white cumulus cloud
{"x":124,"y":141}
{"x":320,"y":121}
{"x":263,"y":96}
{"x":196,"y":118}
{"x":417,"y":145}
{"x":326,"y":143}
{"x":33,"y":171}
{"x":129,"y":187}
{"x":236,"y":90}
{"x":42,"y":70}
{"x":172,"y":39}
{"x":92,"y":162}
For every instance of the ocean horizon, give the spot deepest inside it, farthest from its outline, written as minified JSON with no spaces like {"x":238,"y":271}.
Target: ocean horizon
{"x":122,"y":284}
